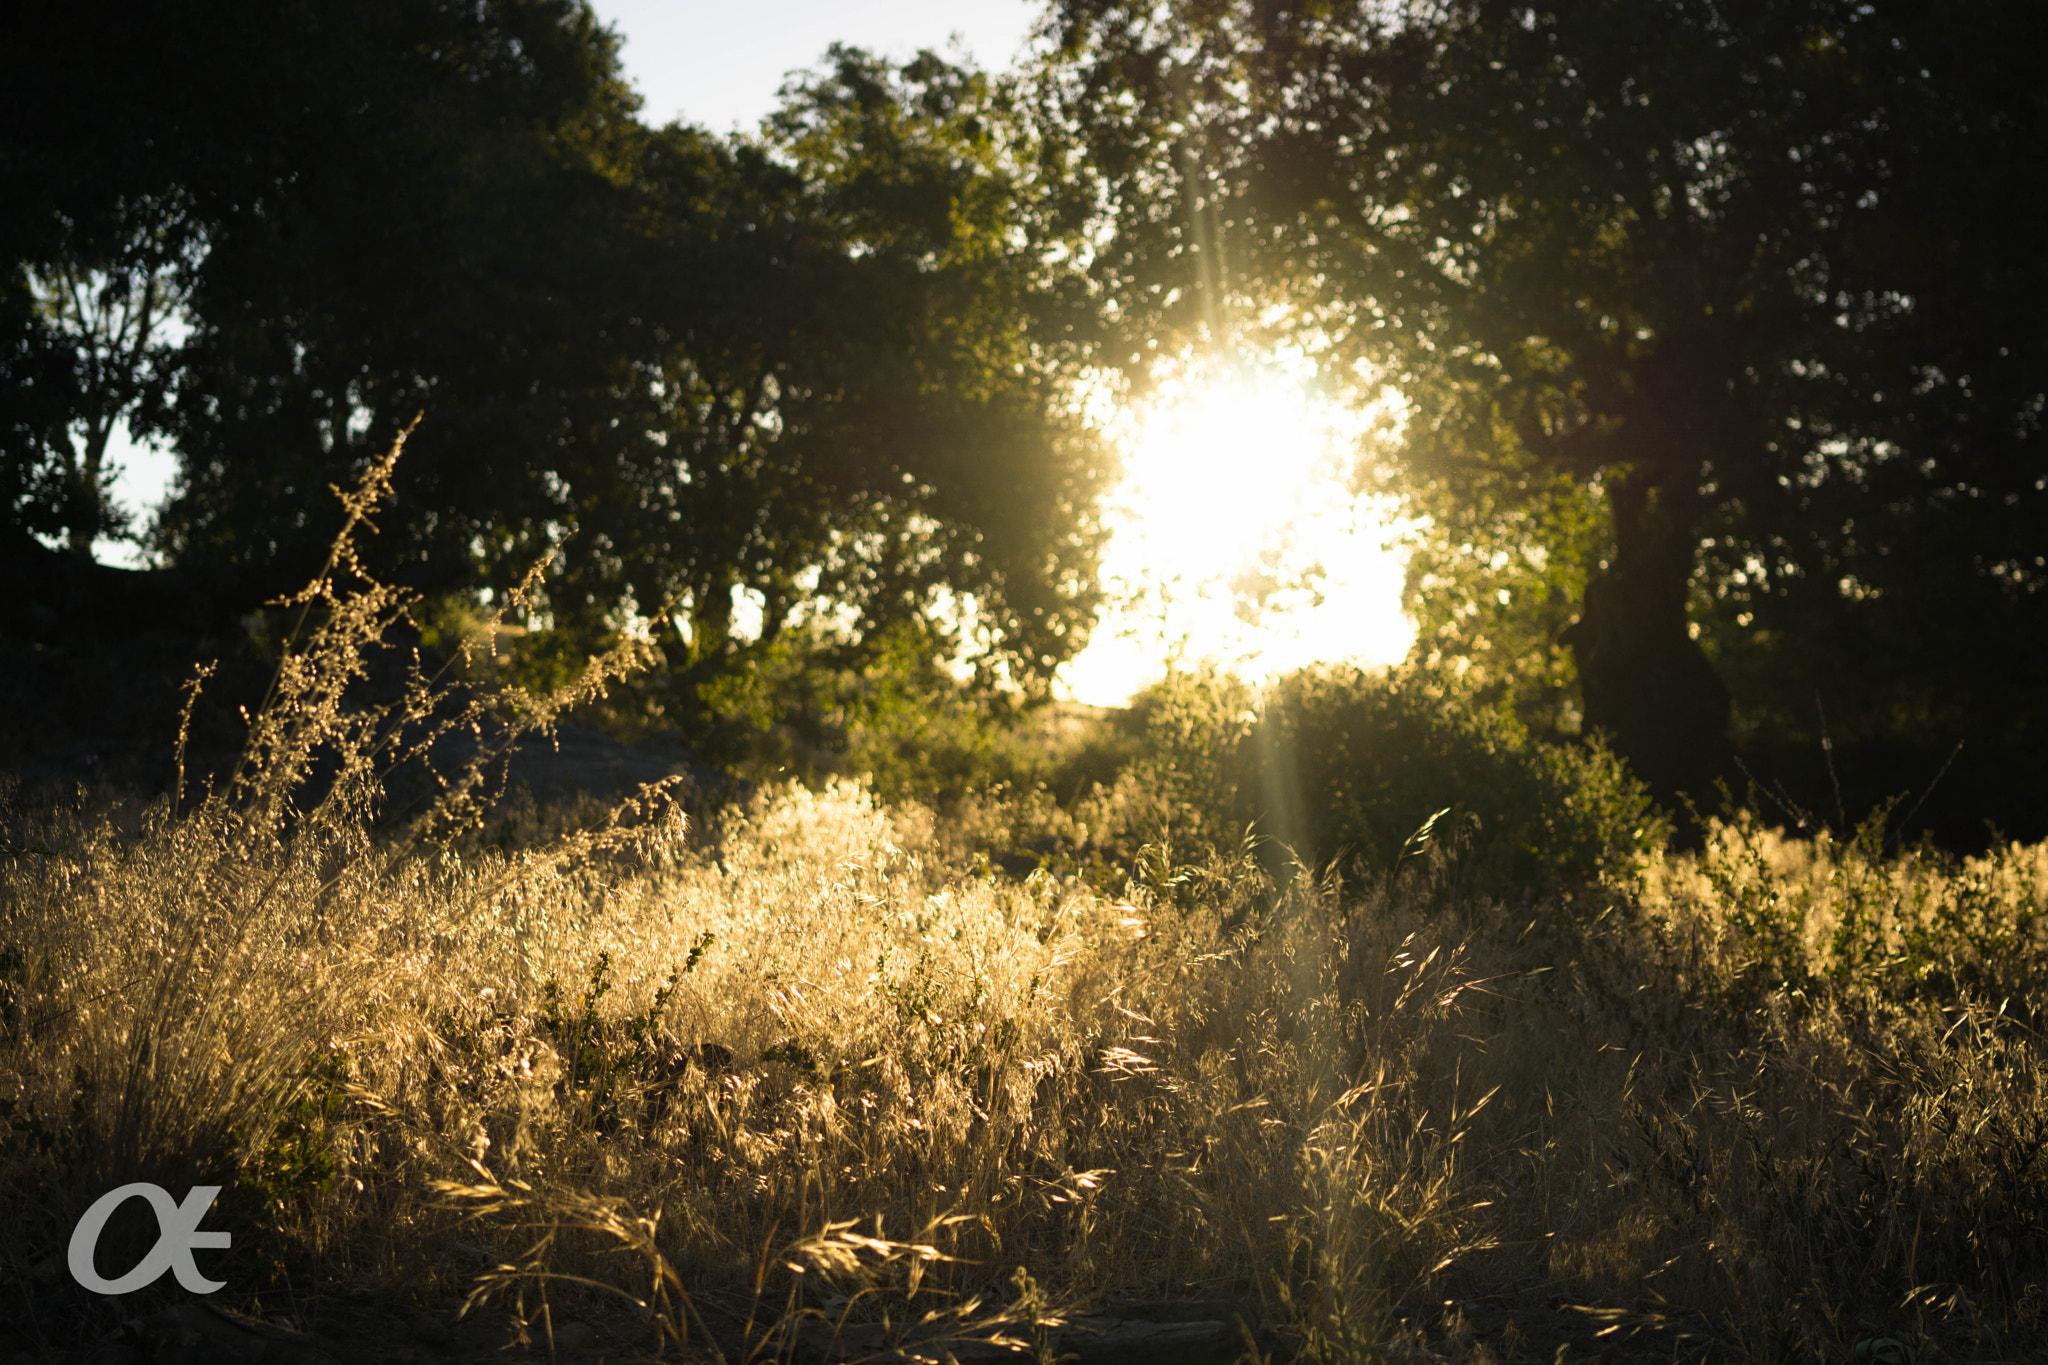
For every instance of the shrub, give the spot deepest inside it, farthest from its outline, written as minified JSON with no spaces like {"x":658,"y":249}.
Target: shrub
{"x":1371,"y":768}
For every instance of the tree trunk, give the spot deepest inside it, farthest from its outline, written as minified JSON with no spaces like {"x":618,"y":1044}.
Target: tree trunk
{"x":1643,"y":680}
{"x":85,"y":501}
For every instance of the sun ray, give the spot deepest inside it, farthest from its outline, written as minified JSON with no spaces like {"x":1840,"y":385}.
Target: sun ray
{"x":1237,"y":537}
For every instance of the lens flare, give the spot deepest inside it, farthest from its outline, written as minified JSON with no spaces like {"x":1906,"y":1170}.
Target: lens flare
{"x":1237,"y":538}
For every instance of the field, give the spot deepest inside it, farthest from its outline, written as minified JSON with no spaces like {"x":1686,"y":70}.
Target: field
{"x":806,"y":1074}
{"x":1248,"y":683}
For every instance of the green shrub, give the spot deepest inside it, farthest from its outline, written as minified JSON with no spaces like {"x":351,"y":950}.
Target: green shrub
{"x":1371,"y":768}
{"x":897,"y":716}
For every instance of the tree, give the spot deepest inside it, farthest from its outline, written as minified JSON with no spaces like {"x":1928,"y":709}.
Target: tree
{"x":813,"y":375}
{"x":106,"y":324}
{"x":1669,"y":253}
{"x":849,"y":405}
{"x":317,"y":176}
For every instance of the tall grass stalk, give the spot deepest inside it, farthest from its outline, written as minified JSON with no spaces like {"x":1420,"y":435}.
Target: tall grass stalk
{"x":178,"y":979}
{"x":807,"y":1069}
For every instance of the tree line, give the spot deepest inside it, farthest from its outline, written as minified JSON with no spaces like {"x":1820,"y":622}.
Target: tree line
{"x":1715,"y":322}
{"x":815,"y":378}
{"x":1712,"y":321}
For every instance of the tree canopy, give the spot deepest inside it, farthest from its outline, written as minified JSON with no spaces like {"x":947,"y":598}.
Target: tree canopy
{"x":818,"y":376}
{"x":1712,"y":321}
{"x":1723,"y":275}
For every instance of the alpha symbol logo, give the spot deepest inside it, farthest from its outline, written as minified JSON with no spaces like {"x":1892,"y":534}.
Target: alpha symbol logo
{"x":179,"y":1237}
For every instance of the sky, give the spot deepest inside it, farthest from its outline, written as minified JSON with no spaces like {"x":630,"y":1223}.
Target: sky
{"x":719,"y":64}
{"x":1214,"y":502}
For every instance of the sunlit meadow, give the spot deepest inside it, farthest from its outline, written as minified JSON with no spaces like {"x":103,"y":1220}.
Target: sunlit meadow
{"x":804,"y":1068}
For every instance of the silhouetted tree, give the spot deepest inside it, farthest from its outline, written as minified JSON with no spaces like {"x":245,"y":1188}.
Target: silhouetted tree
{"x":815,"y":375}
{"x":1700,"y":263}
{"x":848,"y":398}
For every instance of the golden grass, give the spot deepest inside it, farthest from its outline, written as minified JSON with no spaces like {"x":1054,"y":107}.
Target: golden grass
{"x":912,"y":1083}
{"x":1785,"y":1095}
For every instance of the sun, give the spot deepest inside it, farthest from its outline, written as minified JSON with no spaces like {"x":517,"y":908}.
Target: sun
{"x":1236,"y":537}
{"x":1211,"y":477}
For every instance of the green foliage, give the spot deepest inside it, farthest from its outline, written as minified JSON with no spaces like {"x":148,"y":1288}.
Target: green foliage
{"x":904,"y":720}
{"x":1701,"y":269}
{"x":843,"y":414}
{"x":602,"y":1058}
{"x":1494,"y":583}
{"x":815,"y":379}
{"x":1368,"y":769}
{"x":272,"y":1185}
{"x":1181,"y":795}
{"x":1838,"y":916}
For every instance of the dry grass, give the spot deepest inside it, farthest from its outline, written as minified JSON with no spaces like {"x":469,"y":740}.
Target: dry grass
{"x":1786,"y":1096}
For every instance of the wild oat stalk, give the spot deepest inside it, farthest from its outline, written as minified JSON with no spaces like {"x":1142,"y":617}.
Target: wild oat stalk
{"x":190,"y":977}
{"x":836,"y":1266}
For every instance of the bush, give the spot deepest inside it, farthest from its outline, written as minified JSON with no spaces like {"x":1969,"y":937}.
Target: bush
{"x":1370,"y":768}
{"x":895,"y":715}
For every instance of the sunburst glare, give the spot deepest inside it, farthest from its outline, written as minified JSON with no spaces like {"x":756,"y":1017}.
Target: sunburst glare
{"x":1238,"y":537}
